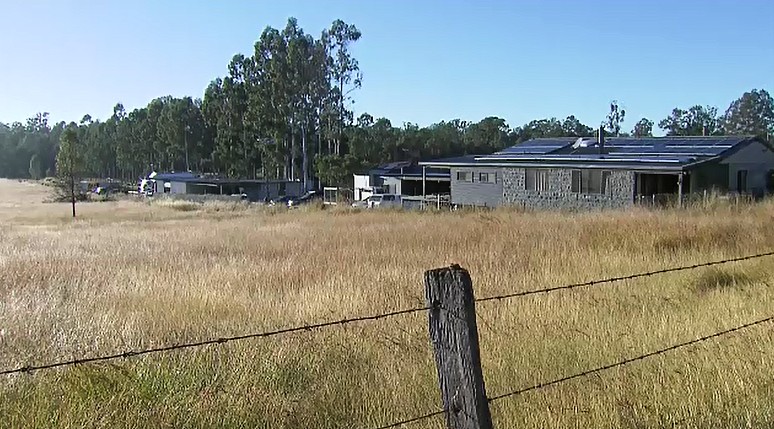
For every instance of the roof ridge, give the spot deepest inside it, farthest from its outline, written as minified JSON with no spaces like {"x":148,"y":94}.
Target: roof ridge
{"x":737,"y":136}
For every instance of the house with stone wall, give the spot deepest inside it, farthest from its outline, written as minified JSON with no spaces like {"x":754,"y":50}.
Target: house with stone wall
{"x":614,"y":172}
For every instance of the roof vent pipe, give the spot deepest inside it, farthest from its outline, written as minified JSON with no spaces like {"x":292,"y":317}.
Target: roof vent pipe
{"x":601,"y":139}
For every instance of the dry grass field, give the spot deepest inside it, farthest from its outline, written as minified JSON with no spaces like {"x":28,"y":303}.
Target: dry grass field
{"x":130,"y":275}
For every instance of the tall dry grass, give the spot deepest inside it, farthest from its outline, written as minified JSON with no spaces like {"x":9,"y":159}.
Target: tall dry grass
{"x":128,"y":275}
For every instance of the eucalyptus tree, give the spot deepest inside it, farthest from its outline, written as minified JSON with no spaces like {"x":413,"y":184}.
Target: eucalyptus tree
{"x":69,"y":164}
{"x":752,"y":113}
{"x":572,"y":127}
{"x":344,"y":72}
{"x":270,"y":104}
{"x":181,"y":128}
{"x":614,"y":119}
{"x":274,"y":110}
{"x":309,"y":87}
{"x":643,"y":128}
{"x":696,"y":121}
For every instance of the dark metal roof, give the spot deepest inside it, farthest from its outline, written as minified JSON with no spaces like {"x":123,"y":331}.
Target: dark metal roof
{"x":215,"y":181}
{"x":452,"y":160}
{"x":416,"y":171}
{"x":667,"y":153}
{"x":390,"y":167}
{"x":539,"y":146}
{"x":407,"y":169}
{"x":209,"y":180}
{"x":665,"y":146}
{"x":649,"y":164}
{"x":173,"y":176}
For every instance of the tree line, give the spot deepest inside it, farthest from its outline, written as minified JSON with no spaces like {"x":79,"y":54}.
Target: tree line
{"x":285,"y":111}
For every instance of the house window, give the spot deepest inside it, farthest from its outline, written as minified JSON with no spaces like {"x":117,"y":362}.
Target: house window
{"x":741,"y":181}
{"x":535,"y":179}
{"x":464,"y":176}
{"x":590,"y":181}
{"x":604,"y":180}
{"x":487,"y":177}
{"x":576,"y":181}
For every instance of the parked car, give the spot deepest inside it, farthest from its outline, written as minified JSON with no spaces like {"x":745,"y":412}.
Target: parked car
{"x":308,"y":197}
{"x":281,"y":201}
{"x":384,"y":201}
{"x":362,"y":204}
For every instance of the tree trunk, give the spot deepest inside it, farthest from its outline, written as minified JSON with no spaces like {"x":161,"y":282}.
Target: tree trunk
{"x":319,"y":140}
{"x":330,"y":127}
{"x":286,"y":167}
{"x":304,"y":159}
{"x":72,"y":192}
{"x":341,"y":117}
{"x":246,"y":162}
{"x":293,"y":175}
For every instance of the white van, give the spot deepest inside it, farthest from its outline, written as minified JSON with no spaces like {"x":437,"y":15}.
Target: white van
{"x":384,"y":200}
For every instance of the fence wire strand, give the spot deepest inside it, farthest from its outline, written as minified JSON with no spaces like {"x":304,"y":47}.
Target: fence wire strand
{"x":630,"y":360}
{"x":413,"y":420}
{"x":130,"y":353}
{"x":593,"y":371}
{"x":310,"y":327}
{"x":223,"y":340}
{"x":622,"y":278}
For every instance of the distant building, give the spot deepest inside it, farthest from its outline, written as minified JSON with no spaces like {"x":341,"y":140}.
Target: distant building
{"x":191,"y":184}
{"x":405,"y":178}
{"x":573,"y":173}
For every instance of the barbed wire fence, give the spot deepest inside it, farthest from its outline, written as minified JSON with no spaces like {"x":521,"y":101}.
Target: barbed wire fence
{"x":222,"y":340}
{"x":592,"y":371}
{"x":436,"y":306}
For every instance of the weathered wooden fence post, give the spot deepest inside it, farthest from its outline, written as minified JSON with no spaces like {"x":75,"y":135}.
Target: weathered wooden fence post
{"x":453,"y":332}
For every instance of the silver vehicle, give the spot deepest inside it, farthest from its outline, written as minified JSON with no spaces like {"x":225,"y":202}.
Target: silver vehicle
{"x":384,"y":201}
{"x":362,"y":204}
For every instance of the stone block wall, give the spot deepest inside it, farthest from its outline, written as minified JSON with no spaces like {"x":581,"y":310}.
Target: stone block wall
{"x":559,"y":196}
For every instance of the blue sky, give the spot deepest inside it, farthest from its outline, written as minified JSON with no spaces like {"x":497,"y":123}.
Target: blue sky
{"x":422,"y":61}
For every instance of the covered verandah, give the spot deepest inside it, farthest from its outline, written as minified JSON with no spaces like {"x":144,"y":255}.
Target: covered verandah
{"x":661,"y":187}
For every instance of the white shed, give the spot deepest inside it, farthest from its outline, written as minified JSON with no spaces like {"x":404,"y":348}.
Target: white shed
{"x":363,"y":187}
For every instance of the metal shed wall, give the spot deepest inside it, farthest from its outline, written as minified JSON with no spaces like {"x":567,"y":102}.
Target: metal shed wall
{"x":476,"y":193}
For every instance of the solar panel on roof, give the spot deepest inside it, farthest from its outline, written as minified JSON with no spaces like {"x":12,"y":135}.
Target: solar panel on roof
{"x":536,"y":150}
{"x":549,"y":140}
{"x":676,"y":139}
{"x":538,"y":146}
{"x":627,"y":146}
{"x":695,"y":146}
